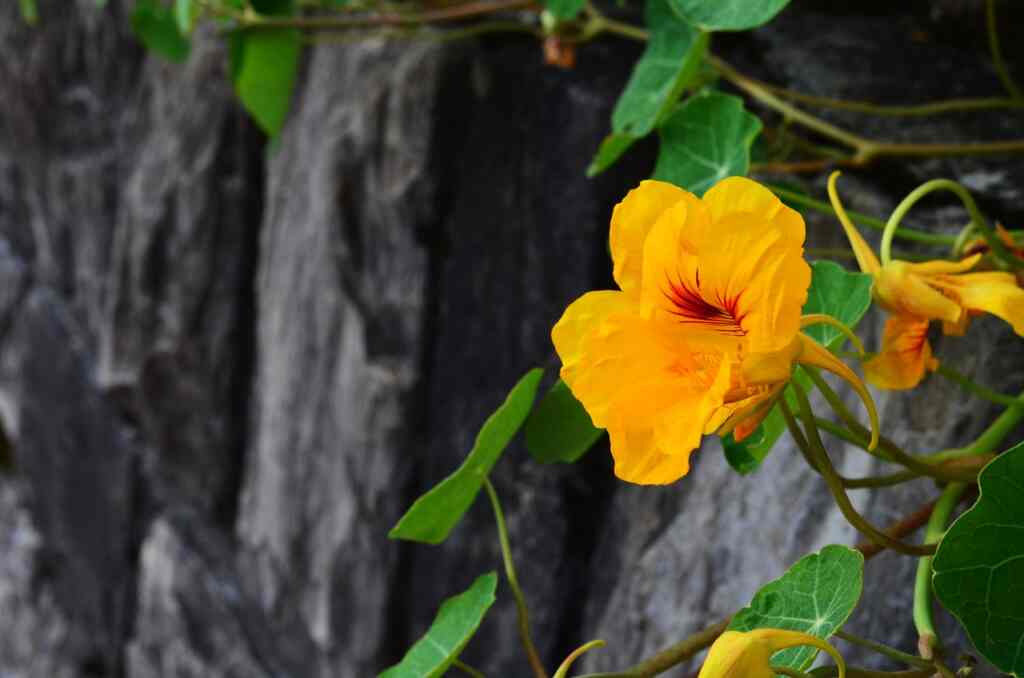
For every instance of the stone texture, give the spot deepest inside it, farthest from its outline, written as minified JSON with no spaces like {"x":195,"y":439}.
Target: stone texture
{"x":226,"y":369}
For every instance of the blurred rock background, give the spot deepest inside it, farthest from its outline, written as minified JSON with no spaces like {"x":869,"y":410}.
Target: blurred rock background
{"x":226,"y":369}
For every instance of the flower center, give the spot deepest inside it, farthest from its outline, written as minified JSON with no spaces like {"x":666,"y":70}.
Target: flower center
{"x":690,"y":306}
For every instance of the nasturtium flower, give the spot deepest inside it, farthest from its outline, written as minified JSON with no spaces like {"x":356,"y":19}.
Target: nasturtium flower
{"x":917,"y":293}
{"x":738,"y":654}
{"x":702,"y":335}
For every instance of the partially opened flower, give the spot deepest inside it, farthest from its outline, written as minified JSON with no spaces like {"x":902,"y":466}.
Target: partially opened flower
{"x":704,"y":333}
{"x":916,"y":294}
{"x":748,"y":654}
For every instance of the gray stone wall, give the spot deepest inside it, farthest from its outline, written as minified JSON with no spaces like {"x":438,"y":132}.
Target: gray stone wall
{"x":226,"y":369}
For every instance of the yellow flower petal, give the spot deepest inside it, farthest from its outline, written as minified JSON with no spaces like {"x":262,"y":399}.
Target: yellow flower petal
{"x":942,"y":266}
{"x":990,"y":292}
{"x":581,"y":318}
{"x":638,"y":459}
{"x":631,"y":370}
{"x":816,"y":355}
{"x":632,"y":220}
{"x":741,"y":196}
{"x":866,"y":258}
{"x":905,"y":354}
{"x":738,"y":654}
{"x":902,"y":292}
{"x":742,"y":277}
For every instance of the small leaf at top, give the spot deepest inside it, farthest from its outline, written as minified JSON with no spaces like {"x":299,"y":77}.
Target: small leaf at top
{"x":455,"y":623}
{"x":559,"y":429}
{"x":674,"y":51}
{"x":670,"y":62}
{"x":155,"y":25}
{"x":842,"y":294}
{"x":611,"y":149}
{"x":433,"y":516}
{"x":29,"y":12}
{"x":815,"y":596}
{"x":184,"y":15}
{"x":264,"y":66}
{"x":979,"y":565}
{"x":705,"y":140}
{"x":727,"y":15}
{"x":564,"y":9}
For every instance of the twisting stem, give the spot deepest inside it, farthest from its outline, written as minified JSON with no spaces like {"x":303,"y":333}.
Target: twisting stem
{"x":253,"y":21}
{"x":924,"y":189}
{"x":863,"y":219}
{"x":885,"y":650}
{"x":467,"y":669}
{"x":997,"y":53}
{"x":892,"y":451}
{"x":835,"y":484}
{"x":977,"y":389}
{"x":671,"y":656}
{"x":513,"y":582}
{"x":936,"y":527}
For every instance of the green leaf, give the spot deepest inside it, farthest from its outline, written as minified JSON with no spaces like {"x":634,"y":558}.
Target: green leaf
{"x":184,"y":15}
{"x":264,"y":66}
{"x":815,"y":596}
{"x":979,"y":565}
{"x":612,"y":148}
{"x":836,"y":292}
{"x":433,"y":516}
{"x":745,"y":457}
{"x":706,"y":139}
{"x":29,"y":12}
{"x":674,"y":51}
{"x":559,"y":429}
{"x":670,"y":62}
{"x":564,"y":9}
{"x":839,"y":293}
{"x":455,"y":623}
{"x":727,"y":15}
{"x":156,"y":27}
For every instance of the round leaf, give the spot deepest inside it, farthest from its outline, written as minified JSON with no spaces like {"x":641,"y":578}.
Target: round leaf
{"x":979,"y":565}
{"x":727,"y":15}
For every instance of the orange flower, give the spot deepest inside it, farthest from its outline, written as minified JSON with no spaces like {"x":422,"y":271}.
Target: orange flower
{"x":917,"y":293}
{"x":748,"y":654}
{"x":703,"y":334}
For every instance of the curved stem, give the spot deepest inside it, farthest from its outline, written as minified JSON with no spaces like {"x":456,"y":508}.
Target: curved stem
{"x":858,"y":672}
{"x":997,"y":246}
{"x":835,"y":485}
{"x":467,"y":669}
{"x":969,"y":385}
{"x":513,"y":582}
{"x":891,"y":451}
{"x":884,"y":650}
{"x":997,"y":53}
{"x":671,"y":656}
{"x":936,"y":527}
{"x":253,"y":21}
{"x":913,"y":110}
{"x":862,"y":219}
{"x":993,"y":436}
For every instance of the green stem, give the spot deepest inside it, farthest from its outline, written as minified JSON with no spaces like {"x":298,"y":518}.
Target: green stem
{"x":924,"y":189}
{"x":858,"y":672}
{"x":786,"y":671}
{"x":890,"y":450}
{"x":936,"y":527}
{"x":997,"y":54}
{"x":513,"y":582}
{"x":254,"y":21}
{"x":467,"y":669}
{"x":671,"y":656}
{"x":913,"y":110}
{"x":863,"y":219}
{"x":977,"y":389}
{"x":835,"y":484}
{"x":885,"y":650}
